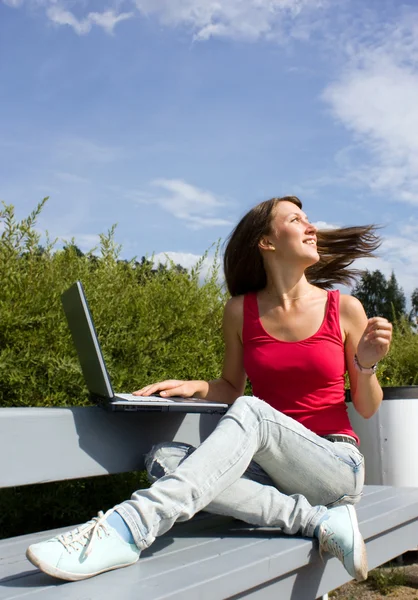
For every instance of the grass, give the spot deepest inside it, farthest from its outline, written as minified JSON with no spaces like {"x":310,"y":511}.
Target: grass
{"x":385,"y":579}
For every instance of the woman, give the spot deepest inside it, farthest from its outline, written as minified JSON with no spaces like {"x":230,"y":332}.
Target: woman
{"x":295,"y":341}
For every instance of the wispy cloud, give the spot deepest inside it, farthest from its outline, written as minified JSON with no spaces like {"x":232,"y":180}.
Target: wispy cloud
{"x":196,"y":207}
{"x":70,"y":177}
{"x":107,"y":19}
{"x":375,"y":98}
{"x":85,"y":241}
{"x":14,"y":3}
{"x":204,"y":19}
{"x":324,"y":225}
{"x":84,"y":149}
{"x":242,"y":19}
{"x":185,"y":259}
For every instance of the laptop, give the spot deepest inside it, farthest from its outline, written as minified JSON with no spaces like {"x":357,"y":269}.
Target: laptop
{"x":94,"y":370}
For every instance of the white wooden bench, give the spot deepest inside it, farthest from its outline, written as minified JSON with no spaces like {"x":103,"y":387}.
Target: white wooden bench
{"x":208,"y":558}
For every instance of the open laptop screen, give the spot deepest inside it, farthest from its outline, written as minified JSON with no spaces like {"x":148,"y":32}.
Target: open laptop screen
{"x":85,"y":340}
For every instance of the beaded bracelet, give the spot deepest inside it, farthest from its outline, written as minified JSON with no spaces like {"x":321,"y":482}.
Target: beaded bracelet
{"x":368,"y":371}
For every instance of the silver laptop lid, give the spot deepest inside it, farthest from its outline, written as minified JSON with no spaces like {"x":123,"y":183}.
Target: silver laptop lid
{"x":86,"y":342}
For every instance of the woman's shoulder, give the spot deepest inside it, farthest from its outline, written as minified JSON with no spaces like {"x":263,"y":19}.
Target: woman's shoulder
{"x":234,"y":306}
{"x":350,"y":304}
{"x":234,"y":316}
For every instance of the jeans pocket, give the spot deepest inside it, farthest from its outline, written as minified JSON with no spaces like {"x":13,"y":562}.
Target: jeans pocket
{"x":345,"y":499}
{"x":349,"y":454}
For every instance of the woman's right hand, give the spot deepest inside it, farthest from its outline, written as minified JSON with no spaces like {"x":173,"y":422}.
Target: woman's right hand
{"x":172,"y":387}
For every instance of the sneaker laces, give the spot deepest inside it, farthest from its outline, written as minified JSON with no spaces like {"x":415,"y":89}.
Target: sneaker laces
{"x":328,"y":543}
{"x":86,"y":533}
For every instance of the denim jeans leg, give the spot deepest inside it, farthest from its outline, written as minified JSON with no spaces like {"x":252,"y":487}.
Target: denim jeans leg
{"x":238,"y":500}
{"x":287,"y":451}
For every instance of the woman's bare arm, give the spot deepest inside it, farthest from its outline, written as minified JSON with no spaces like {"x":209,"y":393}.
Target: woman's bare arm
{"x":231,"y":384}
{"x":370,"y":340}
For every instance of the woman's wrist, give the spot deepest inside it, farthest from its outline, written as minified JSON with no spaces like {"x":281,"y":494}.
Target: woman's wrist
{"x":202,"y":389}
{"x":364,"y":368}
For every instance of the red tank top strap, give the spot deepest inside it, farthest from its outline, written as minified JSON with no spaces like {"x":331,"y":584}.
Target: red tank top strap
{"x":332,"y":319}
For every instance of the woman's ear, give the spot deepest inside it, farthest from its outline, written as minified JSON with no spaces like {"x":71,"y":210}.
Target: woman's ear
{"x":265,"y":244}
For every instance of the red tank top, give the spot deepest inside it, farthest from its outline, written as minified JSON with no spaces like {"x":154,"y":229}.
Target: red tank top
{"x":305,"y":379}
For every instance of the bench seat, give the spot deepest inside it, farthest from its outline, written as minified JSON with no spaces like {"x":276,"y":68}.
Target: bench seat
{"x":214,"y":558}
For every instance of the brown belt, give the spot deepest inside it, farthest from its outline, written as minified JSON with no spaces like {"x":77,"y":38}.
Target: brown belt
{"x":341,"y":438}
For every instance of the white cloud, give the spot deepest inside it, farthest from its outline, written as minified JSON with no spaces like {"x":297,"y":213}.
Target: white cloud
{"x":196,"y":207}
{"x":242,"y":19}
{"x":324,"y":225}
{"x":375,"y":98}
{"x":107,"y":19}
{"x":85,"y":241}
{"x":185,"y":259}
{"x":235,"y":19}
{"x":188,"y":261}
{"x":13,"y":3}
{"x":410,"y":229}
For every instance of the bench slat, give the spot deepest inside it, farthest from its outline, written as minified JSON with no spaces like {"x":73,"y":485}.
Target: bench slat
{"x":214,"y":558}
{"x":87,"y":441}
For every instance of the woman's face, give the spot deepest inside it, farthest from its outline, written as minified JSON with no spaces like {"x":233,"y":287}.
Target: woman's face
{"x":291,"y":234}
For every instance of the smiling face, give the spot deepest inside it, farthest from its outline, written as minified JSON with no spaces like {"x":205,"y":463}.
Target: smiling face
{"x":292,"y":237}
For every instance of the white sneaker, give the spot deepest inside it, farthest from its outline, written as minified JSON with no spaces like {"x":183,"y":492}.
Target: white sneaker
{"x":86,"y":551}
{"x":340,"y":536}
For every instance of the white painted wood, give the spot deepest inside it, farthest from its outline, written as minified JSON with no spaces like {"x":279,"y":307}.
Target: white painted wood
{"x":51,"y":444}
{"x":388,"y":440}
{"x":214,"y":558}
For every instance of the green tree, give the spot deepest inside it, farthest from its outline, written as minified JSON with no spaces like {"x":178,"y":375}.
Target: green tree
{"x":395,"y":298}
{"x":414,"y":302}
{"x":371,"y":291}
{"x":380,"y":296}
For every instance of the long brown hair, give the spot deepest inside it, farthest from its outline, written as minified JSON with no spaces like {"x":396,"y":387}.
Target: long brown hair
{"x":337,"y":248}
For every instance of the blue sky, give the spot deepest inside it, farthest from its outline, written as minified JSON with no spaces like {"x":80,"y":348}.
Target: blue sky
{"x":173,"y":117}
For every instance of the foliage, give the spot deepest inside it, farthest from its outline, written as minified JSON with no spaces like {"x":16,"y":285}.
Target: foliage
{"x":414,"y":302}
{"x":151,"y":323}
{"x":399,"y":367}
{"x":380,"y":296}
{"x":40,"y":507}
{"x":385,"y":579}
{"x":384,"y":297}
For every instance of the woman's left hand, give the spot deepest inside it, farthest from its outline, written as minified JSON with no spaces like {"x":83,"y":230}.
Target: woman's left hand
{"x":375,"y":342}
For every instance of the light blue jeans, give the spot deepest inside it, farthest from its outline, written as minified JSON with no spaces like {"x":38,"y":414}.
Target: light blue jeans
{"x":294,"y":477}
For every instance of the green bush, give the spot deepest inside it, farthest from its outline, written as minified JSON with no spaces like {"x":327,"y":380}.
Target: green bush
{"x":152,"y":323}
{"x":399,"y":367}
{"x":31,"y":508}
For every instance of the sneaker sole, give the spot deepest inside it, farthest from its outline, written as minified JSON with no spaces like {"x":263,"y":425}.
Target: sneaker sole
{"x":359,"y":547}
{"x":60,"y":574}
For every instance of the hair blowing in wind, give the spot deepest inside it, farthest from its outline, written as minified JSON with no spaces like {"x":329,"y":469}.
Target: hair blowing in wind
{"x":337,"y":248}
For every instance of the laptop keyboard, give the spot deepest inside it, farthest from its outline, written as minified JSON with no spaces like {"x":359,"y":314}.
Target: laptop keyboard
{"x":132,"y":398}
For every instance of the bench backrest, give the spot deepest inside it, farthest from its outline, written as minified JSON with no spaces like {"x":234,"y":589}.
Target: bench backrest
{"x":51,"y":444}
